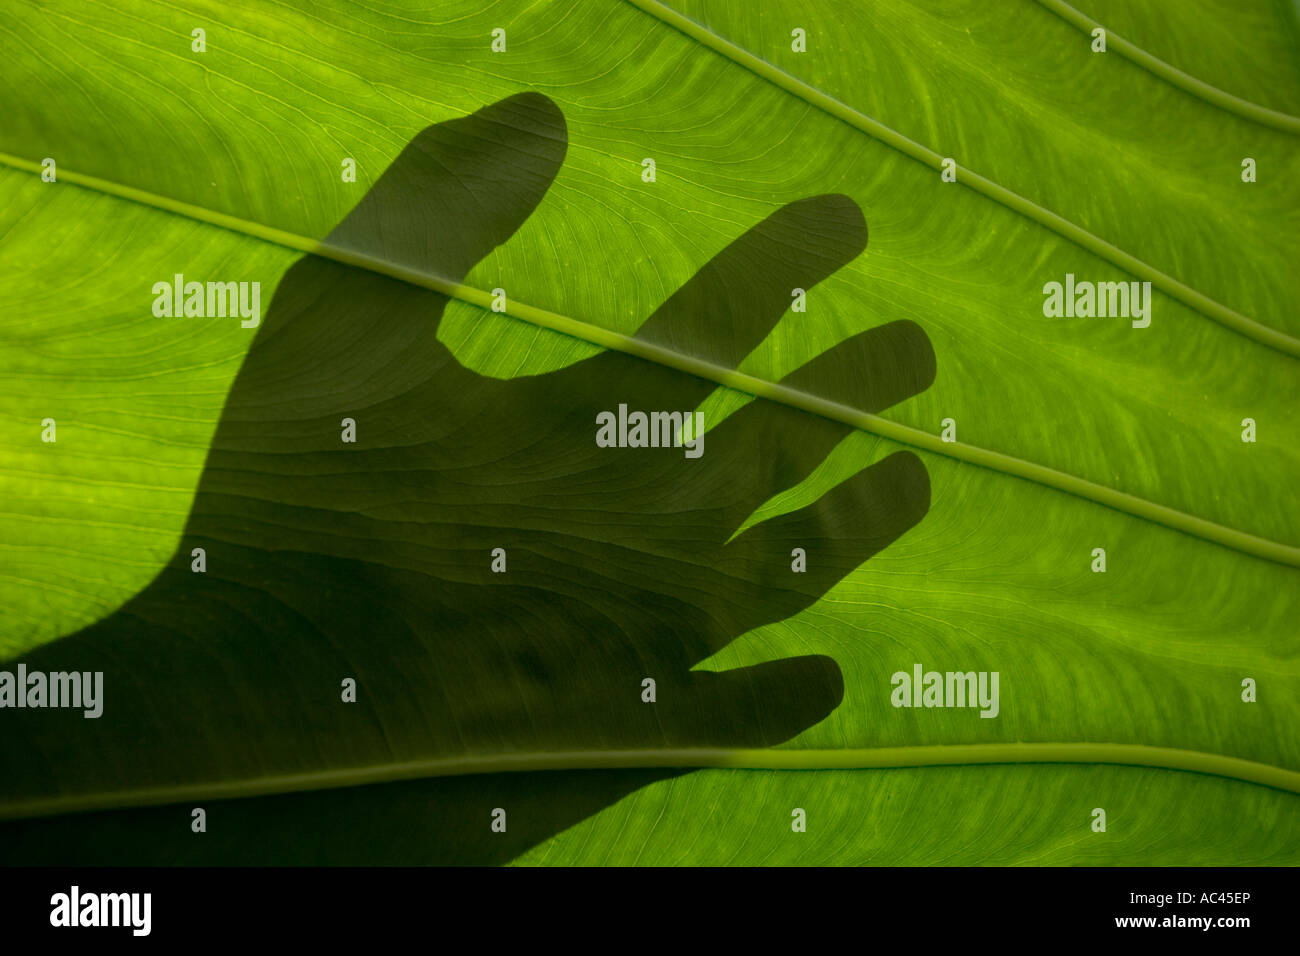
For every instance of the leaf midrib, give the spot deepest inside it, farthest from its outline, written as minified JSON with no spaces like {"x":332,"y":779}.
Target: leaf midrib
{"x":867,"y":758}
{"x":1192,"y":85}
{"x":1138,"y":507}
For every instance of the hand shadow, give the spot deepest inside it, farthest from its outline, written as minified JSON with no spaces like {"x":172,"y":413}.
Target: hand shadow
{"x":373,"y":559}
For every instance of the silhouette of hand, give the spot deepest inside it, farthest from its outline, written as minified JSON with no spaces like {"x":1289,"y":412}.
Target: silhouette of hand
{"x":373,"y":559}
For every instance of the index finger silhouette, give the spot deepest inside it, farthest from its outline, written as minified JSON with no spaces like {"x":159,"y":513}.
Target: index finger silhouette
{"x":739,"y":295}
{"x":737,"y":298}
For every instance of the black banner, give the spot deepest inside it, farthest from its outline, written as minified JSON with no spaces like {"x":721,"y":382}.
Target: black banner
{"x":334,"y":905}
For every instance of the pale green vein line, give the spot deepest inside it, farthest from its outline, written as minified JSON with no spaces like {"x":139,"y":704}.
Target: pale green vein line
{"x":879,"y":758}
{"x":1171,"y":74}
{"x":1229,"y":317}
{"x":741,"y":381}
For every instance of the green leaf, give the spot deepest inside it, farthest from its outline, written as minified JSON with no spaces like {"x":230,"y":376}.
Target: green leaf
{"x":1073,"y":434}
